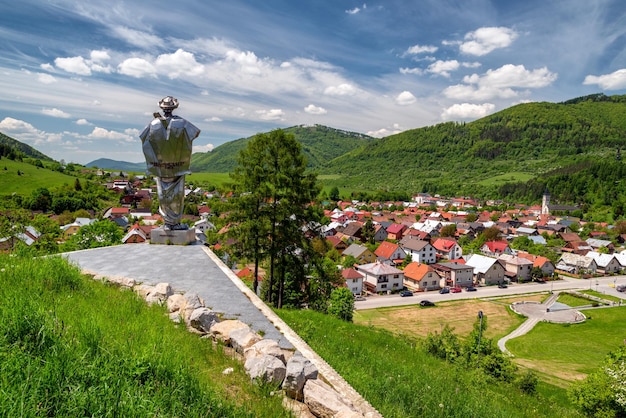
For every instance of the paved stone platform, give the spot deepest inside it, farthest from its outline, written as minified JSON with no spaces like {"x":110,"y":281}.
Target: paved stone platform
{"x":190,"y":268}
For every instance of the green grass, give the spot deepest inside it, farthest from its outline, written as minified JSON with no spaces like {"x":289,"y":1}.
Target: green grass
{"x":601,"y":295}
{"x":568,"y":352}
{"x":71,"y":346}
{"x":31,"y":178}
{"x":573,"y":300}
{"x":215,"y":179}
{"x":400,"y":380}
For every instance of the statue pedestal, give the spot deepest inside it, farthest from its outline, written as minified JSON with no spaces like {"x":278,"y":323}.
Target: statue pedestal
{"x":173,"y":237}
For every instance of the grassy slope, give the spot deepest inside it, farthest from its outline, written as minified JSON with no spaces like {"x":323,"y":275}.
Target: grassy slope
{"x":401,"y":380}
{"x":70,"y":346}
{"x":31,"y":179}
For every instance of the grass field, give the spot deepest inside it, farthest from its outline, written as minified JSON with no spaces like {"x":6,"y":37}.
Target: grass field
{"x":572,"y":300}
{"x":31,"y":178}
{"x":563,"y":353}
{"x":416,"y":321}
{"x":215,"y":179}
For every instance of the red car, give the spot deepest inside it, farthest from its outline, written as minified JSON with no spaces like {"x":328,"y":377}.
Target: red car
{"x":455,"y":289}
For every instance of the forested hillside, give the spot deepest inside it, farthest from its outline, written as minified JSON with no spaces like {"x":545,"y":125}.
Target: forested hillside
{"x":320,"y":144}
{"x":551,"y":144}
{"x":8,"y":144}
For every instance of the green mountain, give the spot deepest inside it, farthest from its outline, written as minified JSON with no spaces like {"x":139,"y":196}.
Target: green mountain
{"x":108,"y":164}
{"x":7,"y":142}
{"x":533,"y":142}
{"x":320,"y":144}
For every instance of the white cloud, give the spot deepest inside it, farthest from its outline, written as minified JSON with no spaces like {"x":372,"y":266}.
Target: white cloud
{"x":485,"y":40}
{"x":315,"y":110}
{"x":136,"y":67}
{"x":136,"y":38}
{"x":213,"y":119}
{"x":23,"y":131}
{"x":613,"y":81}
{"x":75,"y":65}
{"x":47,"y":67}
{"x":55,"y":113}
{"x":465,"y":111}
{"x":272,"y":114}
{"x":443,"y":68}
{"x":500,"y":83}
{"x":99,"y":56}
{"x":83,"y":122}
{"x":203,"y":148}
{"x":46,"y":78}
{"x":180,"y":63}
{"x":356,"y":10}
{"x":417,"y":71}
{"x":343,"y":89}
{"x":405,"y":98}
{"x":420,"y":49}
{"x":101,"y":133}
{"x":383,"y":132}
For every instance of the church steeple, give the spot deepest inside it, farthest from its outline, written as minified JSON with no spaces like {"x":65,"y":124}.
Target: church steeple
{"x":545,"y":203}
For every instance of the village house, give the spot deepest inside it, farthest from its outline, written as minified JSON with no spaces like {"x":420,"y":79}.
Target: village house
{"x":597,"y":244}
{"x":487,"y":270}
{"x":422,"y":277}
{"x":135,"y":235}
{"x":396,"y":231}
{"x":454,"y":274}
{"x":390,"y":252}
{"x":353,"y":280}
{"x":576,"y":264}
{"x":517,"y":268}
{"x":544,"y":263}
{"x":447,"y":248}
{"x":380,"y":233}
{"x":420,"y":251}
{"x":74,"y":227}
{"x":337,"y":244}
{"x":361,"y":253}
{"x":353,"y":230}
{"x":495,"y":248}
{"x":380,"y":277}
{"x":607,"y":263}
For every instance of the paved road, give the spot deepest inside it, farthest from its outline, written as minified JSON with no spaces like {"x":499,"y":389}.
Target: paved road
{"x":600,"y":284}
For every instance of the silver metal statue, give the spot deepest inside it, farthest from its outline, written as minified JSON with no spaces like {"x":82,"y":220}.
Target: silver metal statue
{"x":167,"y":144}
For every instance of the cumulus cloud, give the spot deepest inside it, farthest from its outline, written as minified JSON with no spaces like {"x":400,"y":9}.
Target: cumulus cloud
{"x":272,"y":114}
{"x":500,"y":82}
{"x":443,"y":68}
{"x":343,"y":89}
{"x":420,"y":49}
{"x":405,"y":98}
{"x":315,"y":110}
{"x":101,"y":133}
{"x":74,"y":65}
{"x":47,"y":67}
{"x":136,"y":67}
{"x":180,"y":63}
{"x":417,"y":71}
{"x":203,"y":148}
{"x":485,"y":40}
{"x":213,"y":119}
{"x":383,"y":132}
{"x":462,"y":111}
{"x":613,"y":81}
{"x":83,"y":122}
{"x":23,"y":131}
{"x":55,"y":113}
{"x":46,"y":78}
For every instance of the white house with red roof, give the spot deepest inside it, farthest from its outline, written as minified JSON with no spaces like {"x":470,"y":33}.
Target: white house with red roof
{"x":389,"y":251}
{"x":496,"y":248}
{"x":447,"y":248}
{"x":353,"y":280}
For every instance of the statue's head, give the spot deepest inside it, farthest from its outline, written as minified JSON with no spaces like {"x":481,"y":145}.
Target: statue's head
{"x":168,"y":103}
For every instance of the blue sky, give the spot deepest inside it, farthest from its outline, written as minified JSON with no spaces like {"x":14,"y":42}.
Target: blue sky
{"x":80,"y":79}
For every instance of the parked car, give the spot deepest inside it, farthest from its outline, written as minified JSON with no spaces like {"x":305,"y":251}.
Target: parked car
{"x":455,"y":290}
{"x":358,"y":298}
{"x":427,"y":303}
{"x":406,"y":293}
{"x":502,"y":285}
{"x":621,"y":288}
{"x":471,"y":289}
{"x":444,"y":290}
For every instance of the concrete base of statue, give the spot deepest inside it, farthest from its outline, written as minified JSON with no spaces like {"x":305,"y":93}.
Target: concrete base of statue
{"x":172,"y":236}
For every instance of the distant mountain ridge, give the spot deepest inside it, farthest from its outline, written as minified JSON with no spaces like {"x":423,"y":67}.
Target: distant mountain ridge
{"x":108,"y":164}
{"x":320,"y":144}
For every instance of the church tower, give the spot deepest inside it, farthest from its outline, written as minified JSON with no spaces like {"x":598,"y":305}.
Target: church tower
{"x":545,"y":203}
